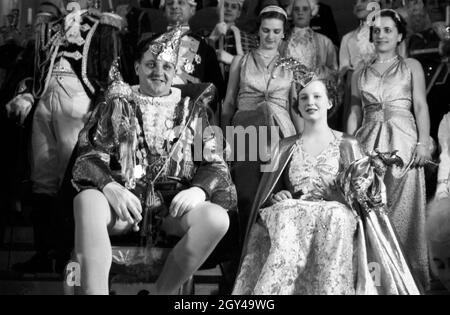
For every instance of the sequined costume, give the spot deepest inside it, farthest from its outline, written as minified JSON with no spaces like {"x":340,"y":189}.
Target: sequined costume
{"x":150,"y":143}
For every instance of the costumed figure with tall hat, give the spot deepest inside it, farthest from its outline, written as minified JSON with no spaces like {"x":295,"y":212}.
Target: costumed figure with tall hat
{"x":72,"y":57}
{"x":149,"y":161}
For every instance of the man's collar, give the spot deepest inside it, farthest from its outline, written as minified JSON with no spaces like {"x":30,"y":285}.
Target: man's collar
{"x":185,"y":28}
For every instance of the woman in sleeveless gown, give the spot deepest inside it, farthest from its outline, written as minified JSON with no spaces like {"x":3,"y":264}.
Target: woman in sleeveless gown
{"x":387,"y":92}
{"x":311,"y":238}
{"x":258,"y":96}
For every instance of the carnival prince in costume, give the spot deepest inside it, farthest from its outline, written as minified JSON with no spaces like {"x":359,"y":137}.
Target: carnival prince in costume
{"x":130,"y":152}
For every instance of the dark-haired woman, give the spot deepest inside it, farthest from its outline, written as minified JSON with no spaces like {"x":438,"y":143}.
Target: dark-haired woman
{"x":389,"y":94}
{"x":258,"y":96}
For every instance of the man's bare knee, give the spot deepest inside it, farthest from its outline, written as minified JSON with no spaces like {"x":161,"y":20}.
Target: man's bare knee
{"x":90,"y":203}
{"x":216,"y":218}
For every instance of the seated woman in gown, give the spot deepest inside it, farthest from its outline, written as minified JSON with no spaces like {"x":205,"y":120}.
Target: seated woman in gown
{"x":318,"y":224}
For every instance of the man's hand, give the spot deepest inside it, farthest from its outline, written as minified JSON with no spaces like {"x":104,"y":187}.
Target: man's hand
{"x":186,"y":200}
{"x":19,"y":107}
{"x":220,"y":30}
{"x":126,"y":205}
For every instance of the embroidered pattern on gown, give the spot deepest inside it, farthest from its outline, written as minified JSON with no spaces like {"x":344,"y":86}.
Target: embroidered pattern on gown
{"x":303,"y":246}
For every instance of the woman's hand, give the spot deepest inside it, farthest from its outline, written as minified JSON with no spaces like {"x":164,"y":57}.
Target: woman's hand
{"x":281,"y":196}
{"x":421,"y":155}
{"x":442,"y":191}
{"x":126,"y":205}
{"x":186,"y":200}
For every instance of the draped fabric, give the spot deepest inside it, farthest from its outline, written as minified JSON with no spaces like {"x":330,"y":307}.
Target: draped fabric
{"x":333,"y":239}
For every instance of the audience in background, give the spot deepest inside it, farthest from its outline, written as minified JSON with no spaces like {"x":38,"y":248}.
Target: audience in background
{"x":194,"y":49}
{"x":228,"y":39}
{"x":314,"y":50}
{"x":259,"y":93}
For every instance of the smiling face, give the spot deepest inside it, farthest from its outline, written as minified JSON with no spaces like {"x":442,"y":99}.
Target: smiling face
{"x":155,"y":76}
{"x":313,"y":101}
{"x":179,"y":11}
{"x":271,"y":33}
{"x":301,"y":13}
{"x":440,"y":257}
{"x":232,"y":11}
{"x":385,"y":34}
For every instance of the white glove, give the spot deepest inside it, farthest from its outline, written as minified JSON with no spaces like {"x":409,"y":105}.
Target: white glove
{"x":126,"y":205}
{"x":224,"y":57}
{"x":219,"y":30}
{"x":20,"y":106}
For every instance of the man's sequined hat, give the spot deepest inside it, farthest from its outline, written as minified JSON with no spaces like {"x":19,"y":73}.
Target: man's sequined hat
{"x":167,"y":46}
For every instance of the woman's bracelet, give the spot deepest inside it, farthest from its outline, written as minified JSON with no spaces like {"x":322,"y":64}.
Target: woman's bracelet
{"x":443,"y":181}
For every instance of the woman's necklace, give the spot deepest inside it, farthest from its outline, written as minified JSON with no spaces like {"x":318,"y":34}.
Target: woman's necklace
{"x":267,"y":61}
{"x":389,"y":60}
